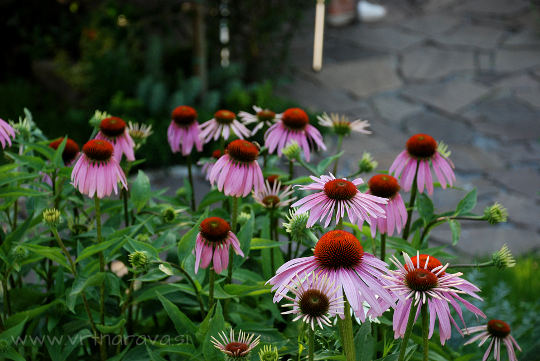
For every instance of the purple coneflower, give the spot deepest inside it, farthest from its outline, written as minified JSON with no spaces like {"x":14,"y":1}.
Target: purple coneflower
{"x":213,"y":242}
{"x":272,"y":195}
{"x":339,"y":256}
{"x":236,"y":348}
{"x":341,"y":196}
{"x":263,"y":118}
{"x":421,"y":149}
{"x":426,"y":281}
{"x":208,"y":163}
{"x":386,"y":186}
{"x":71,"y":150}
{"x":184,"y":130}
{"x":237,"y":172}
{"x":97,"y":171}
{"x":293,"y":126}
{"x":341,"y":125}
{"x":223,"y":124}
{"x":316,"y":300}
{"x":115,"y":131}
{"x":499,"y":332}
{"x":6,"y":133}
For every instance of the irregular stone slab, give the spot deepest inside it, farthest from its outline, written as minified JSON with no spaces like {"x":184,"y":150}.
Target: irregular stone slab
{"x":472,"y":35}
{"x":521,"y":210}
{"x":513,"y":60}
{"x":506,"y":118}
{"x":431,"y":24}
{"x":382,"y":38}
{"x":432,"y":63}
{"x":316,"y":98}
{"x":393,"y":108}
{"x":523,"y":39}
{"x":469,"y":158}
{"x":524,"y":181}
{"x":494,"y":7}
{"x":449,"y":96}
{"x":362,"y":78}
{"x":448,"y":130}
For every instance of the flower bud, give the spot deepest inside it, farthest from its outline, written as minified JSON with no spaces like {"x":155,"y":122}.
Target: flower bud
{"x":503,"y":258}
{"x":296,"y":225}
{"x":51,"y":217}
{"x":367,"y":163}
{"x":20,"y":253}
{"x":292,"y":151}
{"x":268,"y":353}
{"x":139,"y":261}
{"x":243,"y":217}
{"x":496,"y":213}
{"x":168,"y":215}
{"x":4,"y":346}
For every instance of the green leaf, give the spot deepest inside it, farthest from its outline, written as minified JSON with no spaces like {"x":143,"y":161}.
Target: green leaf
{"x":247,"y":290}
{"x":100,"y":247}
{"x":181,"y":322}
{"x":210,"y":198}
{"x":111,"y":329}
{"x":14,"y":331}
{"x":202,"y":330}
{"x":57,"y":158}
{"x":425,"y":207}
{"x":140,"y":190}
{"x":80,"y":284}
{"x":467,"y":204}
{"x":20,"y":192}
{"x":29,"y":314}
{"x":216,"y":325}
{"x":262,"y":243}
{"x":52,"y":253}
{"x":323,"y":164}
{"x":20,"y":231}
{"x":455,"y":227}
{"x":244,"y":237}
{"x":187,"y":242}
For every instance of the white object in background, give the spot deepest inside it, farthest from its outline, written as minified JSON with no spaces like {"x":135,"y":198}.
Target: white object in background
{"x":369,"y":12}
{"x":319,"y":36}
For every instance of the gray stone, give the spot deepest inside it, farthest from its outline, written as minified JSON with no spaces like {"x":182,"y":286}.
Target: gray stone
{"x":442,"y":128}
{"x":506,"y":118}
{"x":431,"y":24}
{"x":382,"y":38}
{"x":393,"y":108}
{"x":485,"y":61}
{"x":484,"y":241}
{"x":432,"y":63}
{"x":518,"y":154}
{"x":521,"y":210}
{"x":362,"y":78}
{"x":513,"y":60}
{"x":524,"y":181}
{"x":472,"y":35}
{"x":315,"y":97}
{"x":493,"y":7}
{"x":523,"y":39}
{"x":449,"y":96}
{"x":469,"y":158}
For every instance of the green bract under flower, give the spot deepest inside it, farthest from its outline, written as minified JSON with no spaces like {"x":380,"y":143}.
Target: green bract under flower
{"x":51,"y":216}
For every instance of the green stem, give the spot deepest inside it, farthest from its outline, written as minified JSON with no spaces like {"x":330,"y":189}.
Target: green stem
{"x":348,"y":337}
{"x":339,"y":225}
{"x":434,"y":222}
{"x":125,"y":198}
{"x":274,"y":233}
{"x":102,"y":348}
{"x":192,"y":282}
{"x":291,"y":169}
{"x":408,"y":331}
{"x":311,"y":346}
{"x":425,"y":331}
{"x":469,"y":265}
{"x":15,"y":213}
{"x":411,"y":203}
{"x":307,"y":167}
{"x":234,"y":215}
{"x":339,"y":146}
{"x":383,"y":246}
{"x":212,"y":279}
{"x":190,"y":175}
{"x":7,"y":300}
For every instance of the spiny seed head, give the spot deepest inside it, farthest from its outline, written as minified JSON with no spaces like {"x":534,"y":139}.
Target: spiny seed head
{"x":98,"y":150}
{"x":269,"y":353}
{"x":70,"y":151}
{"x":184,"y":115}
{"x":498,"y":328}
{"x":20,"y":253}
{"x":383,"y":185}
{"x":215,"y":229}
{"x":168,"y":215}
{"x":338,"y":249}
{"x":243,"y":151}
{"x":314,"y":303}
{"x":432,"y":263}
{"x":139,"y":260}
{"x":420,"y":279}
{"x":503,"y":258}
{"x":51,"y":217}
{"x":292,"y":151}
{"x":421,"y":146}
{"x":367,"y":163}
{"x":295,"y":118}
{"x":224,"y":116}
{"x":112,"y":126}
{"x":340,"y":189}
{"x":266,"y":115}
{"x":496,"y":213}
{"x":244,"y":217}
{"x":296,"y":225}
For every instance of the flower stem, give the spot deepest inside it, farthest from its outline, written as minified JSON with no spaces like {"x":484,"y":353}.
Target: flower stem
{"x":125,"y":198}
{"x":339,"y":146}
{"x":383,"y":246}
{"x":234,"y":215}
{"x":408,"y":331}
{"x":425,"y":331}
{"x":339,"y":224}
{"x":102,"y":349}
{"x":274,"y":234}
{"x":475,"y":265}
{"x":190,"y":175}
{"x":414,"y":190}
{"x":432,"y":223}
{"x":348,"y":337}
{"x":311,"y":346}
{"x":291,"y":169}
{"x":212,"y":278}
{"x":190,"y":280}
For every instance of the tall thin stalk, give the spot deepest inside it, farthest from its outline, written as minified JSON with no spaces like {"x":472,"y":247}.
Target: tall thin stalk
{"x":414,"y":190}
{"x":425,"y":332}
{"x":190,"y":176}
{"x":212,"y":279}
{"x":383,"y":246}
{"x":408,"y":331}
{"x":347,"y":334}
{"x":103,"y":351}
{"x":311,"y":345}
{"x":234,"y":217}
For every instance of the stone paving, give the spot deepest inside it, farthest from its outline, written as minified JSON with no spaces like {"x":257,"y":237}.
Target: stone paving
{"x":466,"y":72}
